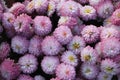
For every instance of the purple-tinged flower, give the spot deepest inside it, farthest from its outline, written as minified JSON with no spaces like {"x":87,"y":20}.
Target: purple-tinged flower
{"x":4,"y":50}
{"x":30,"y":7}
{"x":8,"y":20}
{"x":65,"y":72}
{"x":63,"y":34}
{"x":89,"y":55}
{"x":51,"y":8}
{"x":115,"y":18}
{"x":104,"y":76}
{"x":50,"y":46}
{"x":110,"y":47}
{"x":24,"y":25}
{"x":69,"y":9}
{"x":109,"y":32}
{"x":17,"y":9}
{"x":109,"y":67}
{"x":41,"y":6}
{"x":39,"y":77}
{"x":42,"y":25}
{"x":105,"y":9}
{"x":35,"y":45}
{"x":89,"y":71}
{"x":9,"y":70}
{"x":88,"y":13}
{"x":68,"y":57}
{"x":25,"y":77}
{"x":28,"y":63}
{"x":91,"y":34}
{"x":49,"y":64}
{"x":19,"y":44}
{"x":76,"y":44}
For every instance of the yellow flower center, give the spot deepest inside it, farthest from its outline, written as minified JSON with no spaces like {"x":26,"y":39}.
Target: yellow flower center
{"x":109,"y":69}
{"x":87,"y":71}
{"x":17,"y":47}
{"x":105,"y":77}
{"x":71,"y":58}
{"x":76,"y":45}
{"x":87,"y":57}
{"x":87,"y":10}
{"x":49,"y":7}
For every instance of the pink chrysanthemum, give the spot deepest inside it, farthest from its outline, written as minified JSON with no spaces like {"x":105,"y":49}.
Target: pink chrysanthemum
{"x":110,"y":47}
{"x":63,"y":34}
{"x":69,"y":9}
{"x":109,"y":32}
{"x":76,"y":44}
{"x":35,"y":46}
{"x":42,"y":25}
{"x":24,"y":25}
{"x":50,"y":46}
{"x":104,"y":76}
{"x":105,"y":9}
{"x":109,"y":67}
{"x":88,"y":13}
{"x":30,"y":7}
{"x":67,"y":21}
{"x":69,"y":58}
{"x":89,"y":55}
{"x":4,"y":50}
{"x":25,"y":77}
{"x":8,"y":20}
{"x":28,"y":63}
{"x":51,"y":8}
{"x":90,"y":34}
{"x":39,"y":77}
{"x":49,"y":64}
{"x":89,"y":71}
{"x":19,"y":44}
{"x":55,"y":78}
{"x":65,"y":72}
{"x":41,"y":6}
{"x":115,"y":18}
{"x":17,"y":9}
{"x":9,"y":70}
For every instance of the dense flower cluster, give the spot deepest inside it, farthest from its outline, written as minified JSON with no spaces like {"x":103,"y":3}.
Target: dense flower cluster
{"x":60,"y":40}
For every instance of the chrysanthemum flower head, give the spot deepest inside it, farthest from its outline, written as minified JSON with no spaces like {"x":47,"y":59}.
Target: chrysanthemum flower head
{"x":70,"y":58}
{"x":63,"y":34}
{"x":17,"y":9}
{"x":28,"y":63}
{"x":88,"y":13}
{"x":24,"y":25}
{"x":30,"y":7}
{"x":76,"y":44}
{"x":50,"y":46}
{"x":65,"y":72}
{"x":19,"y":44}
{"x":110,"y":67}
{"x":35,"y":45}
{"x":89,"y":71}
{"x":42,"y":25}
{"x":49,"y":64}
{"x":91,"y":34}
{"x":9,"y":70}
{"x":89,"y":55}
